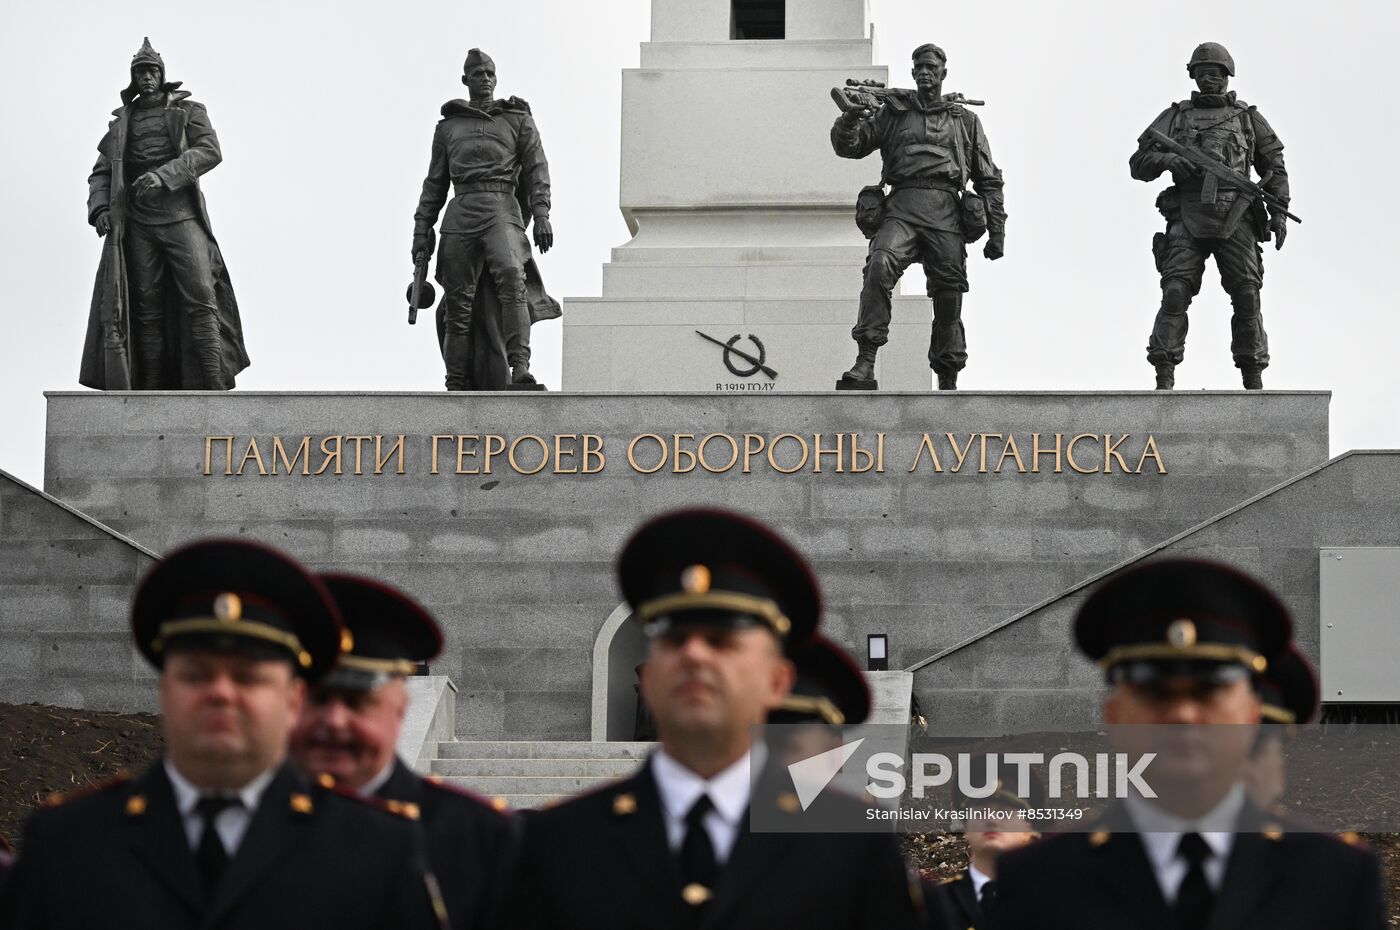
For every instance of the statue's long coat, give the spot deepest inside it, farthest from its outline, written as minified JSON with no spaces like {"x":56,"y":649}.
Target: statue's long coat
{"x":108,"y":360}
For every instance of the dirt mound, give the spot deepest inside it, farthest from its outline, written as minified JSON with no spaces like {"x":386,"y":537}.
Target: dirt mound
{"x":48,"y":749}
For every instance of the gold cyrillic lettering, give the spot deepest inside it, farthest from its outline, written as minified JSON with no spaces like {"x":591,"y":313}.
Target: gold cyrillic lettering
{"x":1110,"y":452}
{"x":1037,"y":452}
{"x":358,"y":441}
{"x":773,"y":448}
{"x":544,"y":454}
{"x":331,"y":456}
{"x":593,"y":449}
{"x":925,"y":443}
{"x":381,"y":460}
{"x":463,"y":452}
{"x":1150,"y":451}
{"x":1011,"y":450}
{"x":303,"y":453}
{"x":750,"y":450}
{"x":676,"y":467}
{"x":631,"y":457}
{"x":982,"y":458}
{"x":1069,"y":454}
{"x":228,"y":453}
{"x":733,"y":453}
{"x":434,"y":457}
{"x":839,"y":452}
{"x":253,"y":454}
{"x":960,"y":453}
{"x":560,"y":452}
{"x":493,"y":450}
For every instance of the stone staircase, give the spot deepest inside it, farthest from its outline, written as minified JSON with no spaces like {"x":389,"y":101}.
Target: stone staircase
{"x":534,"y":773}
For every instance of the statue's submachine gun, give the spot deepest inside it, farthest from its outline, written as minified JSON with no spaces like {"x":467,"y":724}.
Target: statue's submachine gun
{"x":421,"y":293}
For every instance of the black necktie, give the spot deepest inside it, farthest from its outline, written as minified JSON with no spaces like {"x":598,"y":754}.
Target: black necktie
{"x":698,"y":867}
{"x":1194,"y":898}
{"x":211,"y":854}
{"x":989,"y":899}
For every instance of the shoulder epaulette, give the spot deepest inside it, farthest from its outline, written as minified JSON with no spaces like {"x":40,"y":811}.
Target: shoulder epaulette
{"x":405,"y":809}
{"x":59,"y":798}
{"x":497,"y":804}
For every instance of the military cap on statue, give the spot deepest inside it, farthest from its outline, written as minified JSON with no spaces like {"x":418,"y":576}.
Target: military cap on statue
{"x":716,"y":568}
{"x":1182,"y":616}
{"x":1289,"y":689}
{"x":231,"y":595}
{"x":830,"y":687}
{"x":475,"y":59}
{"x":390,"y":634}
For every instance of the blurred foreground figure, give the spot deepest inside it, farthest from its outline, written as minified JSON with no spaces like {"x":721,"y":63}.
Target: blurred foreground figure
{"x":1185,"y":645}
{"x":222,"y":832}
{"x":721,"y":598}
{"x":350,"y":726}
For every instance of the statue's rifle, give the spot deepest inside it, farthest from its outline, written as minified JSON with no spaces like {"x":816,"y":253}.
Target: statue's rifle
{"x":1221,"y":172}
{"x":870,"y":94}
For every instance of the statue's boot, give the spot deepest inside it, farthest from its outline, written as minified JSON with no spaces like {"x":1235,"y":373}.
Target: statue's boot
{"x":456,"y":355}
{"x":947,"y":346}
{"x":1166,"y":377}
{"x":1253,"y":380}
{"x":520,"y":372}
{"x":864,"y":368}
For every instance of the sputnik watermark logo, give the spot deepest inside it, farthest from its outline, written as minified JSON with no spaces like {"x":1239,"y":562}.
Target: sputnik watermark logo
{"x":811,"y":776}
{"x":1113,"y":775}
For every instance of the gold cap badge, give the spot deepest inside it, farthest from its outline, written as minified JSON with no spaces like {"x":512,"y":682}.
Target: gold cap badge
{"x":228,"y":607}
{"x":696,"y":579}
{"x":1181,"y":633}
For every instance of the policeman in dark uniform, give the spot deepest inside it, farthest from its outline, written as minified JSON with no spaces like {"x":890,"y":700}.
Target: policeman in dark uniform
{"x":969,"y":900}
{"x":1205,"y":217}
{"x":1184,"y":643}
{"x":222,"y":832}
{"x":829,"y":693}
{"x":720,"y":597}
{"x":348,"y":732}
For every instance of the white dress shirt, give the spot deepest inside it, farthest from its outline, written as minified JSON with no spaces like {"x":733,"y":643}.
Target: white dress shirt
{"x":1162,"y":831}
{"x":729,"y":790}
{"x":979,"y":878}
{"x":231,"y":822}
{"x":374,"y":784}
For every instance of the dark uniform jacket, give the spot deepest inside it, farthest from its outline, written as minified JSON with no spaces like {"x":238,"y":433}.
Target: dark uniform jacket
{"x":468,"y":843}
{"x":602,"y":862}
{"x":953,"y":905}
{"x":1234,"y":134}
{"x":118,"y":857}
{"x":198,"y":151}
{"x":1274,"y":880}
{"x":929,"y":154}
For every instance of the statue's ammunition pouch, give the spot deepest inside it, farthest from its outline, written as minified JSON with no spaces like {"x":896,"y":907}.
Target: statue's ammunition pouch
{"x":1169,"y":204}
{"x":974,"y":216}
{"x":870,"y":209}
{"x":1159,"y":250}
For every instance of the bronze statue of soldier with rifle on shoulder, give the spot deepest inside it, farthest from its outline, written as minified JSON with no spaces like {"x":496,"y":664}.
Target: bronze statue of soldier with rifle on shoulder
{"x":931,"y":146}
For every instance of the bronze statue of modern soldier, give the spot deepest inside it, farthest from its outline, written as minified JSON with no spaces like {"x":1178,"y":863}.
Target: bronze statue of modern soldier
{"x":931,"y":147}
{"x":1210,"y":211}
{"x":163,"y":314}
{"x":487,"y":152}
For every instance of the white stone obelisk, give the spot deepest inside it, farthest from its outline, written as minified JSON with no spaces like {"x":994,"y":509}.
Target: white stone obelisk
{"x":742,"y":216}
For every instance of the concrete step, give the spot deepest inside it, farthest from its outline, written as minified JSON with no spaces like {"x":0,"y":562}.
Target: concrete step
{"x":588,"y":768}
{"x":521,"y":802}
{"x":542,"y":749}
{"x":514,"y":786}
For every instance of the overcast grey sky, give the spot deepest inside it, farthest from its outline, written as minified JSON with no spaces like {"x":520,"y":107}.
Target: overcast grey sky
{"x":325,"y":111}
